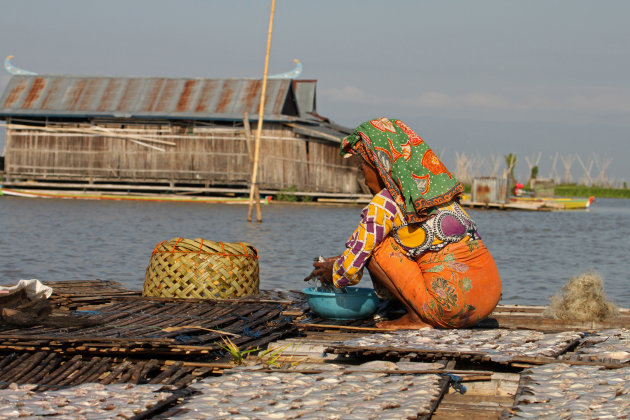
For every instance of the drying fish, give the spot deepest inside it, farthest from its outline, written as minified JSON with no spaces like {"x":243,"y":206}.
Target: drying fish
{"x":334,"y":395}
{"x":613,"y":345}
{"x":564,"y":391}
{"x":499,"y":344}
{"x":84,"y":401}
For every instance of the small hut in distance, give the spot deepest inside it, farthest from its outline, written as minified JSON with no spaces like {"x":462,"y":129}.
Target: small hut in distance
{"x":171,"y":133}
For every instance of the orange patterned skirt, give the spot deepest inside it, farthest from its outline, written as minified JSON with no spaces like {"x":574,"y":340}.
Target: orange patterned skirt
{"x":454,"y":287}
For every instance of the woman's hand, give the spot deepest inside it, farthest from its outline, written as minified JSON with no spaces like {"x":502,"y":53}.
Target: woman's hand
{"x":323,"y":270}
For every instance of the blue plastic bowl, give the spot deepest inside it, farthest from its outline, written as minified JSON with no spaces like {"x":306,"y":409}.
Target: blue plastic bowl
{"x":358,"y":303}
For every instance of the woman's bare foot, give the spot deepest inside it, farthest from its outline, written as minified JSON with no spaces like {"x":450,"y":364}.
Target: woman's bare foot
{"x":405,"y":322}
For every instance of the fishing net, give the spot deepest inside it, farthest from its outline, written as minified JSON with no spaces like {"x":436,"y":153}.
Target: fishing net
{"x":200,"y":269}
{"x":582,"y":299}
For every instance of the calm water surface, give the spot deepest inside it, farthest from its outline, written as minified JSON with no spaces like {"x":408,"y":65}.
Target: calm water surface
{"x":537,"y":253}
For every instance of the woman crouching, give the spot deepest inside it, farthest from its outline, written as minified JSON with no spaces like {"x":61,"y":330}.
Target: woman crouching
{"x":414,"y":238}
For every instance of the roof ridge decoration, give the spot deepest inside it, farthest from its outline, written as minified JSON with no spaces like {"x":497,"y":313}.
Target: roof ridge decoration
{"x":15,"y":70}
{"x":293,"y":74}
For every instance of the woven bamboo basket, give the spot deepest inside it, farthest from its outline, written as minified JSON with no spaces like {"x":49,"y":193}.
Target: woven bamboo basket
{"x":200,"y":269}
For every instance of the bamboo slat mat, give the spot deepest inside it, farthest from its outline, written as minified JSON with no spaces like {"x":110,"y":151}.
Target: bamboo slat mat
{"x":156,"y":327}
{"x":136,"y":340}
{"x":89,"y":288}
{"x":50,"y":370}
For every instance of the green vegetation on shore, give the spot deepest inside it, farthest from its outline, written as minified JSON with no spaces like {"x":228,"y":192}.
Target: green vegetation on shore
{"x":289,"y":194}
{"x":572,"y":190}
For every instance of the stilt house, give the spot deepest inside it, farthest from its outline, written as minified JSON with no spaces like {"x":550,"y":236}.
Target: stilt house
{"x":171,"y":132}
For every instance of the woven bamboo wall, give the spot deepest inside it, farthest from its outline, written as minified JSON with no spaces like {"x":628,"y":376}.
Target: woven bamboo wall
{"x":175,"y":154}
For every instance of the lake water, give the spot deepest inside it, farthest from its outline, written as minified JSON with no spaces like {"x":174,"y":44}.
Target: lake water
{"x":536,"y":252}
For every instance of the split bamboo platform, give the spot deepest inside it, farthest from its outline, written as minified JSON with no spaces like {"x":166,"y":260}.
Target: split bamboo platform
{"x":178,"y":343}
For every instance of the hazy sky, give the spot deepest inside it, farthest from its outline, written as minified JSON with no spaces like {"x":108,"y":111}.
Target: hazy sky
{"x":476,"y":77}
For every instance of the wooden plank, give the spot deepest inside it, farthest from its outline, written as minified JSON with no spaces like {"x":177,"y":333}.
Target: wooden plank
{"x":538,"y":323}
{"x":73,"y":339}
{"x":546,"y":360}
{"x":467,"y":375}
{"x":486,"y":402}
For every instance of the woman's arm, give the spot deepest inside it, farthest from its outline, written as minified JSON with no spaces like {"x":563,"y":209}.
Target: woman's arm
{"x":377,"y":220}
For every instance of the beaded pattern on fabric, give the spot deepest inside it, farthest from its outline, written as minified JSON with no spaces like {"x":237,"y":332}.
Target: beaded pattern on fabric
{"x":450,"y":224}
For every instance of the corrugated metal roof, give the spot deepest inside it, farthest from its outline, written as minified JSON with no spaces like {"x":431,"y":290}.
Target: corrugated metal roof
{"x":320,"y":131}
{"x":146,"y":97}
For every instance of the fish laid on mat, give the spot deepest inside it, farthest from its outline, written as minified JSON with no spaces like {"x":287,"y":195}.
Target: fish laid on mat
{"x":498,"y":344}
{"x":561,"y":391}
{"x":364,"y":395}
{"x":84,"y":401}
{"x":607,"y":344}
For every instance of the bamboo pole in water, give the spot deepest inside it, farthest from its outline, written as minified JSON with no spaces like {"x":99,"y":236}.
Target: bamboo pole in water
{"x":250,"y":151}
{"x":260,"y":122}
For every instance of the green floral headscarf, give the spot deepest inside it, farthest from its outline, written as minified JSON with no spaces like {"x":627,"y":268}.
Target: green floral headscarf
{"x":411,"y":172}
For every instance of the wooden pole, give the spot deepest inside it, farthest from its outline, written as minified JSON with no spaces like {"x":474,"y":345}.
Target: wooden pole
{"x":261,"y":109}
{"x":250,"y":151}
